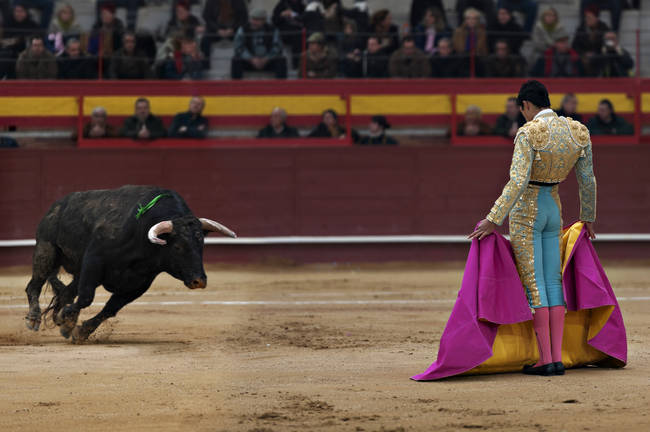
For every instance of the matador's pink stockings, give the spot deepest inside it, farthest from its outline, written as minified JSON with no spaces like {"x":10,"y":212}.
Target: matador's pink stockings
{"x":549,"y":327}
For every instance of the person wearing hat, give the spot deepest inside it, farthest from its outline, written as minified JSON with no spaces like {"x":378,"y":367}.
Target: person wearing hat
{"x":320,"y":60}
{"x":589,"y":38}
{"x":258,"y":47}
{"x":559,"y":61}
{"x":377,"y":130}
{"x":222,"y":19}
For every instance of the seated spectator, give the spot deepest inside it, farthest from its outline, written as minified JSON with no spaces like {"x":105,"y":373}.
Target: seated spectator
{"x":588,"y":40}
{"x":143,"y":124}
{"x":377,"y":130}
{"x":184,"y":63}
{"x":430,"y":31}
{"x":613,"y":60}
{"x":560,"y":61}
{"x":75,"y":64}
{"x":509,"y":122}
{"x":17,"y":28}
{"x":131,"y":10}
{"x":222,"y":19}
{"x":503,"y":64}
{"x":313,"y":18}
{"x":374,"y":63}
{"x":277,"y":127}
{"x":182,"y":21}
{"x":129,"y":62}
{"x":569,"y":107}
{"x":332,"y":19}
{"x":546,"y":30}
{"x":409,"y":62}
{"x":472,"y":125}
{"x":359,"y":14}
{"x":258,"y":47}
{"x":287,"y":18}
{"x":45,"y":7}
{"x":320,"y":60}
{"x":36,"y":62}
{"x":190,"y":124}
{"x":486,"y":7}
{"x":63,"y":28}
{"x":387,"y":33}
{"x":329,"y":126}
{"x":527,"y":7}
{"x":106,"y":35}
{"x":471,"y":35}
{"x":445,"y":63}
{"x":615,"y":8}
{"x":97,"y":127}
{"x":506,"y":28}
{"x":606,"y":122}
{"x":351,"y":50}
{"x":419,"y":8}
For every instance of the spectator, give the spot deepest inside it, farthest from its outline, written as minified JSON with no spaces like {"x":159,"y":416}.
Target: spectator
{"x":190,"y":124}
{"x":509,"y":122}
{"x":313,"y":18}
{"x":409,"y":62}
{"x":143,"y":124}
{"x":613,"y":60}
{"x":432,"y":28}
{"x":351,"y":50}
{"x":559,"y":61}
{"x":486,"y":7}
{"x":387,"y":33}
{"x":258,"y":47}
{"x":569,"y":107}
{"x":419,"y":10}
{"x":63,"y":28}
{"x":36,"y":62}
{"x":182,"y":21}
{"x":277,"y":127}
{"x":472,"y":125}
{"x":606,"y":122}
{"x":471,"y":35}
{"x":106,"y":34}
{"x":374,"y":61}
{"x":377,"y":132}
{"x":546,"y":30}
{"x":98,"y":127}
{"x":503,"y":64}
{"x":184,"y":63}
{"x":74,"y":64}
{"x":359,"y":14}
{"x":527,"y":7}
{"x":16,"y":29}
{"x":506,"y":28}
{"x":131,"y":10}
{"x":615,"y":7}
{"x":222,"y":19}
{"x":332,"y":19}
{"x":588,"y":40}
{"x":129,"y":62}
{"x":445,"y":63}
{"x":319,"y":61}
{"x":287,"y":19}
{"x":46,"y":7}
{"x":329,"y":126}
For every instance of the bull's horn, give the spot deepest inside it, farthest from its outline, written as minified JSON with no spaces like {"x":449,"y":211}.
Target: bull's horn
{"x":210,"y":225}
{"x":160,"y":228}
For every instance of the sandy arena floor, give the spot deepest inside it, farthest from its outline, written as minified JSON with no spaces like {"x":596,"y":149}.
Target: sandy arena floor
{"x":319,"y":348}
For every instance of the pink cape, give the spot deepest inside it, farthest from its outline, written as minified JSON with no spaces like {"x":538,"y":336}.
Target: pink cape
{"x":491,"y":295}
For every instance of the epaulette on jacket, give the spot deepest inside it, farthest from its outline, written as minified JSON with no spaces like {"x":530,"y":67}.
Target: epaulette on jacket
{"x":537,"y":133}
{"x":579,"y":132}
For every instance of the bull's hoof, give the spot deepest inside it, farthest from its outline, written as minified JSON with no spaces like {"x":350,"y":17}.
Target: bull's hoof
{"x":78,"y":334}
{"x":32,"y":323}
{"x":67,"y":322}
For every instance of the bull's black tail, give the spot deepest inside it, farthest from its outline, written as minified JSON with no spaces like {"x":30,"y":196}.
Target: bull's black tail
{"x":58,"y":289}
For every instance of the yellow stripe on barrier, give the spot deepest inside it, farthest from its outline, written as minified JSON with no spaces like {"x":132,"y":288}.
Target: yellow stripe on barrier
{"x":587,"y":102}
{"x":221,"y":105}
{"x":645,"y":102}
{"x":38,"y":106}
{"x":400,"y":104}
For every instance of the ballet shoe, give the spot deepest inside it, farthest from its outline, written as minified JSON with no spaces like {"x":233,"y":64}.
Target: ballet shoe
{"x":543,"y":370}
{"x":559,"y":368}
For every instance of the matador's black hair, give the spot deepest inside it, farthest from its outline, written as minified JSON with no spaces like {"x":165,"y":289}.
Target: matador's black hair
{"x":534,"y":92}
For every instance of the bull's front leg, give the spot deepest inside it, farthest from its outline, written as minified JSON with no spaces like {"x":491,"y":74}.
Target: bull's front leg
{"x":89,"y":280}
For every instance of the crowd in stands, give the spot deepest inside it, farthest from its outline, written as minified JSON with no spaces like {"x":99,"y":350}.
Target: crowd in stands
{"x":339,"y":41}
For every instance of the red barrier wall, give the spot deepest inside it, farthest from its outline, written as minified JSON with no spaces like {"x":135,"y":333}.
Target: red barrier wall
{"x":315,"y":191}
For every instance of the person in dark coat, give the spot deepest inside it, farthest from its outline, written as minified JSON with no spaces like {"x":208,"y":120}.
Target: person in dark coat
{"x":17,"y":27}
{"x":506,"y":28}
{"x":559,"y":61}
{"x":377,"y":129}
{"x":182,"y":21}
{"x":589,"y":37}
{"x":509,"y":122}
{"x":36,"y":62}
{"x":74,"y":64}
{"x":419,"y":9}
{"x":381,"y":24}
{"x":569,"y":107}
{"x":350,"y":50}
{"x":428,"y":33}
{"x":606,"y":122}
{"x":129,"y":62}
{"x":374,"y":62}
{"x":503,"y":64}
{"x":222,"y":19}
{"x":320,"y":60}
{"x":445,"y":63}
{"x":143,"y":125}
{"x":277,"y":127}
{"x":613,"y":60}
{"x":329,"y":127}
{"x":98,"y":126}
{"x":190,"y":124}
{"x":409,"y":61}
{"x":287,"y":18}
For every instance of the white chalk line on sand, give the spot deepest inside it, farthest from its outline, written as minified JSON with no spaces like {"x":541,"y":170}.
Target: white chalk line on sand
{"x":289,"y":303}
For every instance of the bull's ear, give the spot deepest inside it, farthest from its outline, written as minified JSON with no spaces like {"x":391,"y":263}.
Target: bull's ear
{"x":160,"y":228}
{"x":210,"y":225}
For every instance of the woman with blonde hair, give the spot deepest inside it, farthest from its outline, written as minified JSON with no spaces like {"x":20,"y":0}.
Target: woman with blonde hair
{"x":546,"y":30}
{"x":471,"y":35}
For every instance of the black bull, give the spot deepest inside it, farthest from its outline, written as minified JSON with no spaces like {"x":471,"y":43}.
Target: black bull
{"x":121,"y":239}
